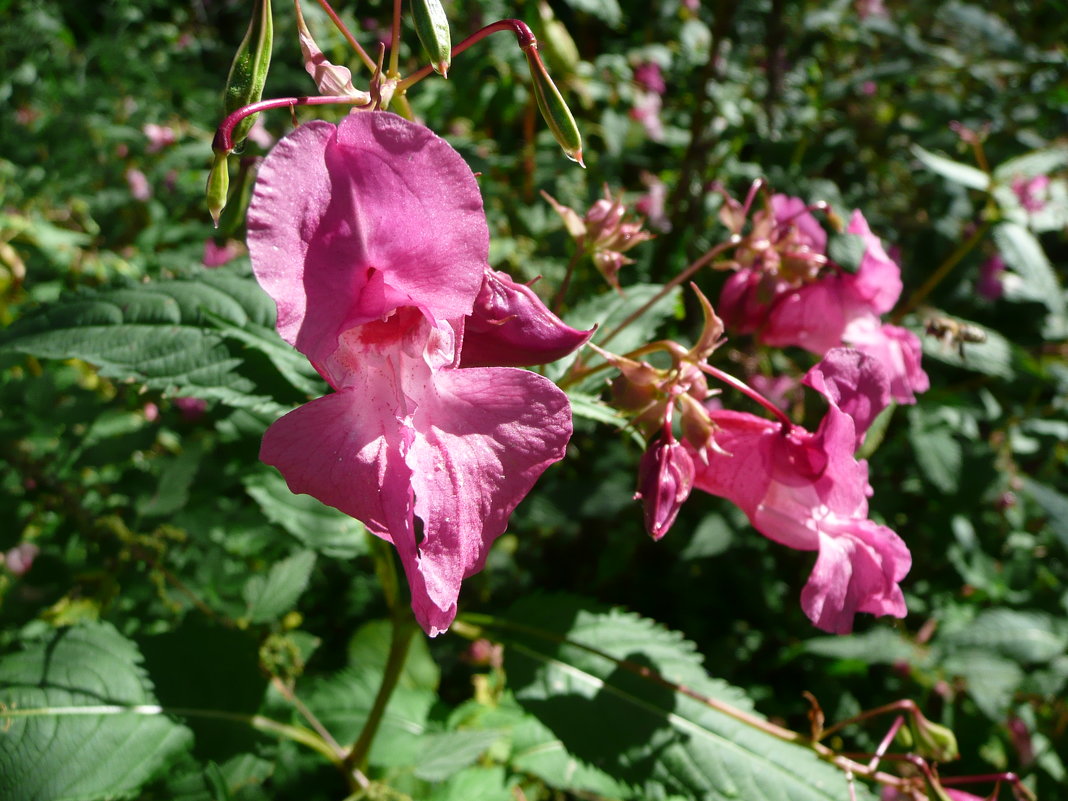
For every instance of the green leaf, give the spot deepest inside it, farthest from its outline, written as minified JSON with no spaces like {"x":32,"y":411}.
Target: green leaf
{"x":878,"y":646}
{"x":593,"y":408}
{"x":443,"y":754}
{"x":369,"y":649}
{"x":1024,"y":255}
{"x":991,"y":680}
{"x":68,"y":732}
{"x":608,"y":11}
{"x":271,"y":596}
{"x":991,"y":357}
{"x":1038,"y":162}
{"x":484,"y":784}
{"x":954,"y":171}
{"x":938,"y":453}
{"x":156,"y":333}
{"x":847,"y":250}
{"x":590,"y":675}
{"x":318,"y":526}
{"x":1053,"y":503}
{"x":1022,"y":636}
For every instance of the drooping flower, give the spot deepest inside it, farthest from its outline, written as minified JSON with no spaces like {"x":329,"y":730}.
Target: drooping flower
{"x":807,"y":491}
{"x":371,"y":238}
{"x":1031,"y":192}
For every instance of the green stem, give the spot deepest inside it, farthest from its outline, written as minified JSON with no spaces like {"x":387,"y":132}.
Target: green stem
{"x":394,"y":44}
{"x":943,"y":270}
{"x":400,"y":640}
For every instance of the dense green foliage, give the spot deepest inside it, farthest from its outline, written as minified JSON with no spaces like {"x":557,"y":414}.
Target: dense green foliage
{"x":212,"y":619}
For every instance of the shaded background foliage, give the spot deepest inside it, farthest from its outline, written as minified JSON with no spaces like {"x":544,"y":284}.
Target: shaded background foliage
{"x":156,"y":525}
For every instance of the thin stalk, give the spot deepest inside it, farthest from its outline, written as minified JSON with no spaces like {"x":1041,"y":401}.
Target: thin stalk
{"x":394,"y":44}
{"x":400,"y":640}
{"x":749,"y":392}
{"x":685,"y":275}
{"x":943,"y":270}
{"x":224,"y":139}
{"x":307,"y":714}
{"x":364,"y":56}
{"x":558,"y":298}
{"x":524,"y":36}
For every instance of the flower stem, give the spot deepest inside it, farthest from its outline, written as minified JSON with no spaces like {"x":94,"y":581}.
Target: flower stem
{"x":400,"y":640}
{"x":224,"y":140}
{"x":943,"y":270}
{"x":703,"y":261}
{"x":364,"y":56}
{"x":523,"y":36}
{"x":748,"y":391}
{"x":394,"y":44}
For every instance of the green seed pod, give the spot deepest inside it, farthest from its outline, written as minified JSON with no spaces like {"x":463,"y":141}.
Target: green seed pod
{"x":248,"y":73}
{"x":433,"y":28}
{"x":553,"y":108}
{"x":218,"y":185}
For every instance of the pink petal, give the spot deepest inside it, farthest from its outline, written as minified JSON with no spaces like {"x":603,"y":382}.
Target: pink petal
{"x":794,"y":211}
{"x":812,"y":317}
{"x":897,"y":349}
{"x":857,"y":570}
{"x":510,"y":326}
{"x":855,"y":383}
{"x":878,"y":279}
{"x":358,"y":219}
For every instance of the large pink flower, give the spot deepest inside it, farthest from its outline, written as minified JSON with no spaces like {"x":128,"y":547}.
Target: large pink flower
{"x":371,"y":238}
{"x":807,"y":491}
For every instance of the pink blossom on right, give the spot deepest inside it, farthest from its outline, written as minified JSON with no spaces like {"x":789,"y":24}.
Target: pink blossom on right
{"x":807,"y":491}
{"x":834,"y":308}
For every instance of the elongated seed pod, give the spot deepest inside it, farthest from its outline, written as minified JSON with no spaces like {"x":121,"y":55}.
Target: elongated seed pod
{"x":248,"y":73}
{"x":432,"y":26}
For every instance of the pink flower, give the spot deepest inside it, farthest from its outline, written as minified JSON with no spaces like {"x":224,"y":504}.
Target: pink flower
{"x":216,"y":255}
{"x":1031,"y":192}
{"x":649,"y":77}
{"x":807,"y":491}
{"x":989,"y":284}
{"x":20,"y":559}
{"x":646,"y":110}
{"x":191,"y":409}
{"x":138,"y":184}
{"x":371,"y":238}
{"x":158,"y":136}
{"x":834,"y":309}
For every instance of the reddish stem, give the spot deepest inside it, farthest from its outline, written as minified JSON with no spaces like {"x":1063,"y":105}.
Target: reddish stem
{"x":523,"y":35}
{"x":224,"y":138}
{"x":364,"y":57}
{"x":749,"y":392}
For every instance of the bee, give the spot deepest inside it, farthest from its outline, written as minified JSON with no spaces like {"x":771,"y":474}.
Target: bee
{"x":954,"y":332}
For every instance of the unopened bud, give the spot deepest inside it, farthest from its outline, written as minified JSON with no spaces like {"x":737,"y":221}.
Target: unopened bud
{"x":218,"y":185}
{"x":432,"y":26}
{"x":665,"y":478}
{"x":934,"y":741}
{"x":248,"y":73}
{"x":552,"y":106}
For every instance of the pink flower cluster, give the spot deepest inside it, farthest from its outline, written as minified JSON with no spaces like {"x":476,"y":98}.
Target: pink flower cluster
{"x":371,"y":238}
{"x":789,"y":293}
{"x":808,"y":491}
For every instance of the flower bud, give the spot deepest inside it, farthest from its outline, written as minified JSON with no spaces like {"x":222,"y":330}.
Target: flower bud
{"x":665,"y":478}
{"x":218,"y":184}
{"x":248,"y":73}
{"x":432,"y":26}
{"x":934,"y":741}
{"x":553,"y":108}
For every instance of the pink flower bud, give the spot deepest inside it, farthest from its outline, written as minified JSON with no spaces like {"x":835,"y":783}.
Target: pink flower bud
{"x":665,"y":478}
{"x":20,"y":559}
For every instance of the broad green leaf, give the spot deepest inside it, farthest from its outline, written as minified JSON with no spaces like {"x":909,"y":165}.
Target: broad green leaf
{"x":157,"y":333}
{"x":481,"y":783}
{"x":1038,"y":162}
{"x":592,"y":408}
{"x":878,"y":646}
{"x":992,"y":357}
{"x":963,"y":174}
{"x":1023,"y":636}
{"x":317,"y":526}
{"x":442,"y":754}
{"x":80,"y":719}
{"x":1024,"y":255}
{"x":608,"y":11}
{"x":369,"y":649}
{"x":1053,"y":503}
{"x":991,"y":680}
{"x":939,"y":454}
{"x":271,"y":596}
{"x":589,"y":674}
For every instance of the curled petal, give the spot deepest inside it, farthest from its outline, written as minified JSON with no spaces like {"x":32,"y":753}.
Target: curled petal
{"x":324,"y":235}
{"x":855,"y":383}
{"x":897,"y":349}
{"x":510,"y":326}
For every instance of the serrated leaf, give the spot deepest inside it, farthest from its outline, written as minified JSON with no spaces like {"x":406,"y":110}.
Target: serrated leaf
{"x":1022,"y":636}
{"x":963,"y":174}
{"x":271,"y":596}
{"x":68,"y":728}
{"x":443,"y":754}
{"x":1053,"y":503}
{"x":1038,"y":162}
{"x":156,"y":333}
{"x":317,"y":526}
{"x":588,"y":674}
{"x":939,"y":454}
{"x":991,"y":680}
{"x":482,"y":783}
{"x":878,"y":646}
{"x":990,"y":357}
{"x":1024,"y":255}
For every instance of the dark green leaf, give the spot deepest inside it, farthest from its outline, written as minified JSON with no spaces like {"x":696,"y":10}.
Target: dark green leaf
{"x":271,"y":596}
{"x":80,"y":719}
